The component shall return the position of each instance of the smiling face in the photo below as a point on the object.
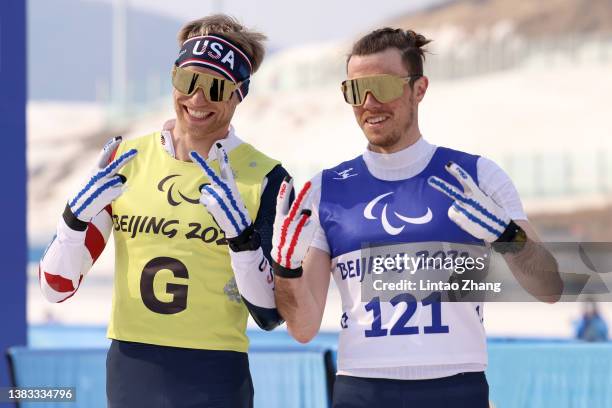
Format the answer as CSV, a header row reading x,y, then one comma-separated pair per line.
x,y
200,118
391,126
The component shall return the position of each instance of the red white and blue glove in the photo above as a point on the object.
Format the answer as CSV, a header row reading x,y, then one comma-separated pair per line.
x,y
223,201
104,186
474,211
69,256
293,231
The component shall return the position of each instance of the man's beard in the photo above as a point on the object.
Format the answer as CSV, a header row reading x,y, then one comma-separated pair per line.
x,y
387,140
394,136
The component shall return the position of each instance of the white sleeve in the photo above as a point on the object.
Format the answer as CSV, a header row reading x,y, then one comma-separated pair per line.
x,y
320,239
496,183
253,272
70,256
254,277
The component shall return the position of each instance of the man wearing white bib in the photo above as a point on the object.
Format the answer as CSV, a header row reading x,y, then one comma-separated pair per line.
x,y
402,189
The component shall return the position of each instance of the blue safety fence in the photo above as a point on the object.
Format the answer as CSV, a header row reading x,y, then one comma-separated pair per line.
x,y
60,336
550,374
81,368
282,377
529,373
292,377
285,373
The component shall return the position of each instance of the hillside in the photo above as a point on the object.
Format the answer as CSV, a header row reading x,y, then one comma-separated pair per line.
x,y
530,18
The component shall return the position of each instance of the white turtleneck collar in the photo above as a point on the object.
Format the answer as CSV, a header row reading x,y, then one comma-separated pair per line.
x,y
400,165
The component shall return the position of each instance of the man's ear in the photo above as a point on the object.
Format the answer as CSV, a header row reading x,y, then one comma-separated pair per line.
x,y
235,98
420,88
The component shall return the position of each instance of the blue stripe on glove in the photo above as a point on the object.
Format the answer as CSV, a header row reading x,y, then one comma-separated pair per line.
x,y
476,220
215,179
468,201
112,182
223,206
106,171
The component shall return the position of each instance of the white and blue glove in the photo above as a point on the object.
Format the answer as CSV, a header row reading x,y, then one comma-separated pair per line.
x,y
251,269
221,197
474,211
104,186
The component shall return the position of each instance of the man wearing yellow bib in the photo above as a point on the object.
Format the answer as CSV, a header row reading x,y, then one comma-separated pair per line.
x,y
191,209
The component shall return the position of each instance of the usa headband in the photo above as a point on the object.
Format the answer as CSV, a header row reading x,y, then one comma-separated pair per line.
x,y
219,54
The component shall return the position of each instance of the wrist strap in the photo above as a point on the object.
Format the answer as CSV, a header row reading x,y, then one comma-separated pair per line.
x,y
512,240
72,221
283,272
248,240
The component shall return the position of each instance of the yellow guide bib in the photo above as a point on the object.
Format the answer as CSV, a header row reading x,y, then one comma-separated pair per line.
x,y
173,284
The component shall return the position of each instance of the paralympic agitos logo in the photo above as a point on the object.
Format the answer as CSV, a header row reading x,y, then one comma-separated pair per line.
x,y
390,229
175,198
134,224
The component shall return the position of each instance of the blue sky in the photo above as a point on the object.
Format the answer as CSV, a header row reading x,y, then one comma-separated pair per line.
x,y
290,23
